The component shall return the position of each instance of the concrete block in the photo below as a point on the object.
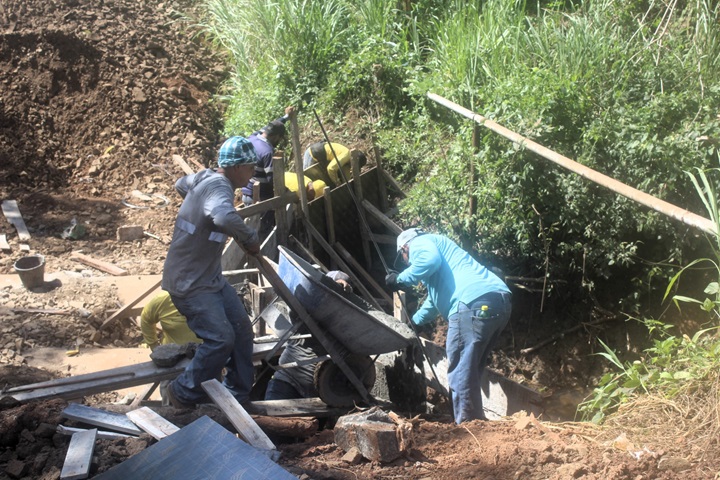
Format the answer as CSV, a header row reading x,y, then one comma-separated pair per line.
x,y
128,233
372,432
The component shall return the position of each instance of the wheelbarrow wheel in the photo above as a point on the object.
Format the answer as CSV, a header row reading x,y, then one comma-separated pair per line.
x,y
335,389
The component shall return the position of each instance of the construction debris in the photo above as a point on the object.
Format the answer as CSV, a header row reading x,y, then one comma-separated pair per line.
x,y
374,434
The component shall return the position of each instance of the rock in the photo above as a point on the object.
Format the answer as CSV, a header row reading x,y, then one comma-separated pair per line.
x,y
353,456
169,354
128,233
675,464
372,432
16,469
44,430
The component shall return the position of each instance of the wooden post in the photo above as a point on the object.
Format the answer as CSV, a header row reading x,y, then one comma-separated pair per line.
x,y
329,220
297,154
381,217
364,226
279,187
256,191
382,187
473,174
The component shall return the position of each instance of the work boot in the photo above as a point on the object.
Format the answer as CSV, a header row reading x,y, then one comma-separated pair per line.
x,y
175,402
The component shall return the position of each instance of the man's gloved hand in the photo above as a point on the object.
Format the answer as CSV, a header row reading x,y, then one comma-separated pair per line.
x,y
391,280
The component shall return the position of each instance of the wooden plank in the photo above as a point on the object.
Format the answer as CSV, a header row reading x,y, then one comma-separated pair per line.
x,y
241,420
297,153
391,180
382,187
279,187
201,450
152,423
269,204
108,380
329,218
122,313
94,416
180,162
4,245
98,382
102,434
106,267
309,254
372,210
297,407
145,395
358,268
341,263
386,239
364,226
79,455
12,213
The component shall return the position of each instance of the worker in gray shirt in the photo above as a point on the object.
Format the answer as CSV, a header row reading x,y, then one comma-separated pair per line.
x,y
193,276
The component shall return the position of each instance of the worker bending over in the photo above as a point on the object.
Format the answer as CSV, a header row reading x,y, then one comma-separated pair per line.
x,y
313,188
324,154
475,302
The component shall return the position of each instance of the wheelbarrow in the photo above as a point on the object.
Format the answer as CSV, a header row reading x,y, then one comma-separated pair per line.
x,y
349,329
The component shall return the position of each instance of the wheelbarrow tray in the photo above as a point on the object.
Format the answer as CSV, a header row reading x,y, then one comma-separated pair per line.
x,y
360,328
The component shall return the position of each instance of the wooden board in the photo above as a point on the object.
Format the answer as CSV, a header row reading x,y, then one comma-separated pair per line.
x,y
180,162
241,420
109,380
101,265
152,423
203,450
122,313
297,407
79,455
63,430
4,245
94,416
97,382
12,213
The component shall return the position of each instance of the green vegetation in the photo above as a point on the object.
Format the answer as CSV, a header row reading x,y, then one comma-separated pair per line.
x,y
626,88
677,369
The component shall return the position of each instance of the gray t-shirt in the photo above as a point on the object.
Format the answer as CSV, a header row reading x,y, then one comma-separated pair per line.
x,y
206,218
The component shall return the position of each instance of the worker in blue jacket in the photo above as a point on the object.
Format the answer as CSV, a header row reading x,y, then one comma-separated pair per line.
x,y
475,302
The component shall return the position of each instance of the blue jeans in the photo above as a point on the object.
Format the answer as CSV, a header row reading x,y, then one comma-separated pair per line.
x,y
472,333
281,390
220,320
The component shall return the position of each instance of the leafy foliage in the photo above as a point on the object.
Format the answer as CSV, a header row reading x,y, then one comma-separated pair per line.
x,y
626,88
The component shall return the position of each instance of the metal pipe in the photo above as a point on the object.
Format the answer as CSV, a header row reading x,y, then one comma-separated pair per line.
x,y
634,194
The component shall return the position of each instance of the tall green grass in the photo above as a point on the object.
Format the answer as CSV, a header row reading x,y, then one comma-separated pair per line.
x,y
624,87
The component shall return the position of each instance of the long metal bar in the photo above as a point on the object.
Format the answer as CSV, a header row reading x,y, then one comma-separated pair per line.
x,y
634,194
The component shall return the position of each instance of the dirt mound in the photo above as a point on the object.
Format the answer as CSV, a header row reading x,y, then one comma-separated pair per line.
x,y
97,98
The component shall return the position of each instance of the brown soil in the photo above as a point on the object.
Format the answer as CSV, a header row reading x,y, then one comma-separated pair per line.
x,y
97,97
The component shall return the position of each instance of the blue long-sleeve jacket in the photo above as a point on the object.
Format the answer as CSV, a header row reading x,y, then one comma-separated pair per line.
x,y
450,275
